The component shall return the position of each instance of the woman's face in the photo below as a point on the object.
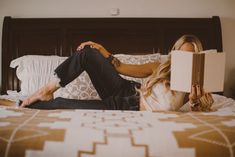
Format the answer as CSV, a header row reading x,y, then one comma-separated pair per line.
x,y
189,47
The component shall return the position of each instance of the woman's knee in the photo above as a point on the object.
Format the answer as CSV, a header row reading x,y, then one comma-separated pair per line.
x,y
88,51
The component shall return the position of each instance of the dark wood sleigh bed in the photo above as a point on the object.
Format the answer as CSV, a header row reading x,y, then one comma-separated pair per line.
x,y
60,36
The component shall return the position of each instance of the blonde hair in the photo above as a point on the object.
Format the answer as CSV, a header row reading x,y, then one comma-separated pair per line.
x,y
162,73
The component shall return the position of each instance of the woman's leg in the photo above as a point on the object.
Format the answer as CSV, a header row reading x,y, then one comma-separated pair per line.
x,y
43,94
62,103
103,75
130,102
111,103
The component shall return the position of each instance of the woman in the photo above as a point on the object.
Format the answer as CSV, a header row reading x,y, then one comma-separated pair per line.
x,y
117,93
156,93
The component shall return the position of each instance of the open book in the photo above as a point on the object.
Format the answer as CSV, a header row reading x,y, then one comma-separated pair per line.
x,y
206,69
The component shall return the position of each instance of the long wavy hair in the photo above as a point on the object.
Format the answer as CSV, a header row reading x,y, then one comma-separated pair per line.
x,y
162,73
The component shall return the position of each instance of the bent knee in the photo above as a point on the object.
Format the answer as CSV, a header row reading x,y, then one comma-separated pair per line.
x,y
88,50
91,52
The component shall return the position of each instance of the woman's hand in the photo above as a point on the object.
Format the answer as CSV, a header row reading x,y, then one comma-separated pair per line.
x,y
97,46
199,100
89,43
196,94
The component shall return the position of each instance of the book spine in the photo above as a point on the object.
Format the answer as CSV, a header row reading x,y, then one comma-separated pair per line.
x,y
198,69
202,65
194,70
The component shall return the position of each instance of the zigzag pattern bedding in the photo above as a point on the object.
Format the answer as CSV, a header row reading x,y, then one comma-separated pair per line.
x,y
85,133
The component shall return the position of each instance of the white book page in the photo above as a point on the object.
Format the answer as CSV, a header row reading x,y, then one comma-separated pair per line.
x,y
214,70
181,71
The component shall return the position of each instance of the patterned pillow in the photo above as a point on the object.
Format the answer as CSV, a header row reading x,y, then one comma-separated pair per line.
x,y
81,88
137,59
31,68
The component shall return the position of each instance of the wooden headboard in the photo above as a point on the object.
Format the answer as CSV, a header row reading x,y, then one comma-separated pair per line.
x,y
60,36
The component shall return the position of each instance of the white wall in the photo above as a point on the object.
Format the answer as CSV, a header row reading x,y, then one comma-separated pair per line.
x,y
135,8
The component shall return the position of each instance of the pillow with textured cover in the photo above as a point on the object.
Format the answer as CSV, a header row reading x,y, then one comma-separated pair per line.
x,y
34,71
137,59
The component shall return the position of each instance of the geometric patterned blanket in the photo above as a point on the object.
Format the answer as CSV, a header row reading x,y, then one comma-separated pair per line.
x,y
87,133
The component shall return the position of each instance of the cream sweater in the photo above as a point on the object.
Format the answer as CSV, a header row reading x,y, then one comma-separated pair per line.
x,y
162,99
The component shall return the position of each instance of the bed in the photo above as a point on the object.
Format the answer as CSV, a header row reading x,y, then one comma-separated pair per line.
x,y
32,132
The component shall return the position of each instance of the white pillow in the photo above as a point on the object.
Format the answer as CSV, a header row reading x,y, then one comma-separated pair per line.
x,y
34,71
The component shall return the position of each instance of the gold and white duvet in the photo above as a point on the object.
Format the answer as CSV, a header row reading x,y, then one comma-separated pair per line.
x,y
87,133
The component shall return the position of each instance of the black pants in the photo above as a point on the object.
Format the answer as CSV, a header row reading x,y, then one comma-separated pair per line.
x,y
116,93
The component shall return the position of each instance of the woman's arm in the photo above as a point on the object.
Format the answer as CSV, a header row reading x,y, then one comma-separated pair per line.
x,y
132,70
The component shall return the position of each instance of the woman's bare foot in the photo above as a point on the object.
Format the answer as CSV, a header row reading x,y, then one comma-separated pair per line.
x,y
43,94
